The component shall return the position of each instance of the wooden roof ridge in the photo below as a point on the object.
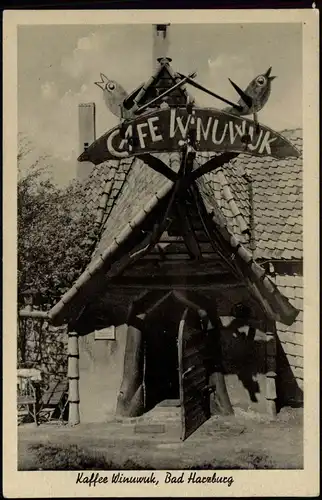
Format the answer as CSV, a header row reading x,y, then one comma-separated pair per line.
x,y
176,79
140,93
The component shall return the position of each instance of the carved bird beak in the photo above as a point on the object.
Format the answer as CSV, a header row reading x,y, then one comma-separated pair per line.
x,y
268,73
103,82
245,97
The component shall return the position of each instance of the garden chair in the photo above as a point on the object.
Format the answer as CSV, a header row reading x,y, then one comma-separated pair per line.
x,y
54,401
26,400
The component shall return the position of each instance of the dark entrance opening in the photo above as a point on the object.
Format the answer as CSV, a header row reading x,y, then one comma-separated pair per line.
x,y
161,375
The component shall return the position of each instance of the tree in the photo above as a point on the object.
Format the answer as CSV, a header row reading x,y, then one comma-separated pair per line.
x,y
55,233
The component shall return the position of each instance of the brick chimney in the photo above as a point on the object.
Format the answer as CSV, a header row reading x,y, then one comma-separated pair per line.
x,y
86,135
160,42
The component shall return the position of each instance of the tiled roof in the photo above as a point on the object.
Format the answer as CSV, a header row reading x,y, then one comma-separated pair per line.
x,y
103,186
238,189
277,190
140,186
277,197
277,200
142,190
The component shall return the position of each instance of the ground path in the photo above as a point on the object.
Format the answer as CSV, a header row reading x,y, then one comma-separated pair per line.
x,y
243,441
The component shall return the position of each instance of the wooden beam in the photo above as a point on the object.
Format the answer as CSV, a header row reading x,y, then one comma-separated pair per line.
x,y
181,246
179,256
179,278
158,303
159,166
141,249
148,301
33,314
166,238
148,243
271,369
207,282
187,230
73,378
212,164
159,228
212,235
152,239
182,297
173,268
210,287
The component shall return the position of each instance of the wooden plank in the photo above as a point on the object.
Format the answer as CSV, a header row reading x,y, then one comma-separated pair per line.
x,y
171,269
177,247
211,287
157,259
23,313
171,281
271,370
195,407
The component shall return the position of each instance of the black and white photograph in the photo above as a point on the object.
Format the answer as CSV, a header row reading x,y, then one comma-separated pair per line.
x,y
161,308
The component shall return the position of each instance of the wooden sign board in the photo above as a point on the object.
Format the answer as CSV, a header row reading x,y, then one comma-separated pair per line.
x,y
105,333
165,130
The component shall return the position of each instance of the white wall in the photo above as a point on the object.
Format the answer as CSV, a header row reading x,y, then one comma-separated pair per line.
x,y
101,370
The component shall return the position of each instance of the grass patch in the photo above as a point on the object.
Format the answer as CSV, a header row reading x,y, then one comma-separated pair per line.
x,y
72,457
243,461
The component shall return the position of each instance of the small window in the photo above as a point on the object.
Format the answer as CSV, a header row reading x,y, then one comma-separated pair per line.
x,y
105,333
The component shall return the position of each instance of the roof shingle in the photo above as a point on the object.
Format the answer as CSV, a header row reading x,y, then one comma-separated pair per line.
x,y
277,198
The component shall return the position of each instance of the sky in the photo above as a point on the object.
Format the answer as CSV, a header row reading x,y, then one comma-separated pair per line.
x,y
58,65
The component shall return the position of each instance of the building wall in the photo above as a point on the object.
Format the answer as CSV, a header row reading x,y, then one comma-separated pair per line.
x,y
245,367
101,364
290,359
101,370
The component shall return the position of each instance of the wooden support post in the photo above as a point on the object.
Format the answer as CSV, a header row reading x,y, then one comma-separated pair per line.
x,y
271,371
130,401
73,377
217,377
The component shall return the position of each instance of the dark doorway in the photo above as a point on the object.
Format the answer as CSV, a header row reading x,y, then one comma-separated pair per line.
x,y
161,376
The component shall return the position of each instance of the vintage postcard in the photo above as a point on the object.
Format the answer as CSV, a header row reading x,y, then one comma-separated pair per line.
x,y
161,253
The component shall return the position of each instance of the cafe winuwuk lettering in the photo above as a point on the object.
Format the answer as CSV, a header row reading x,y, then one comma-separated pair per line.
x,y
214,130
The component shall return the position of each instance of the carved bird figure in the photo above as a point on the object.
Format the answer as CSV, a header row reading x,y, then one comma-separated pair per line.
x,y
113,95
256,95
